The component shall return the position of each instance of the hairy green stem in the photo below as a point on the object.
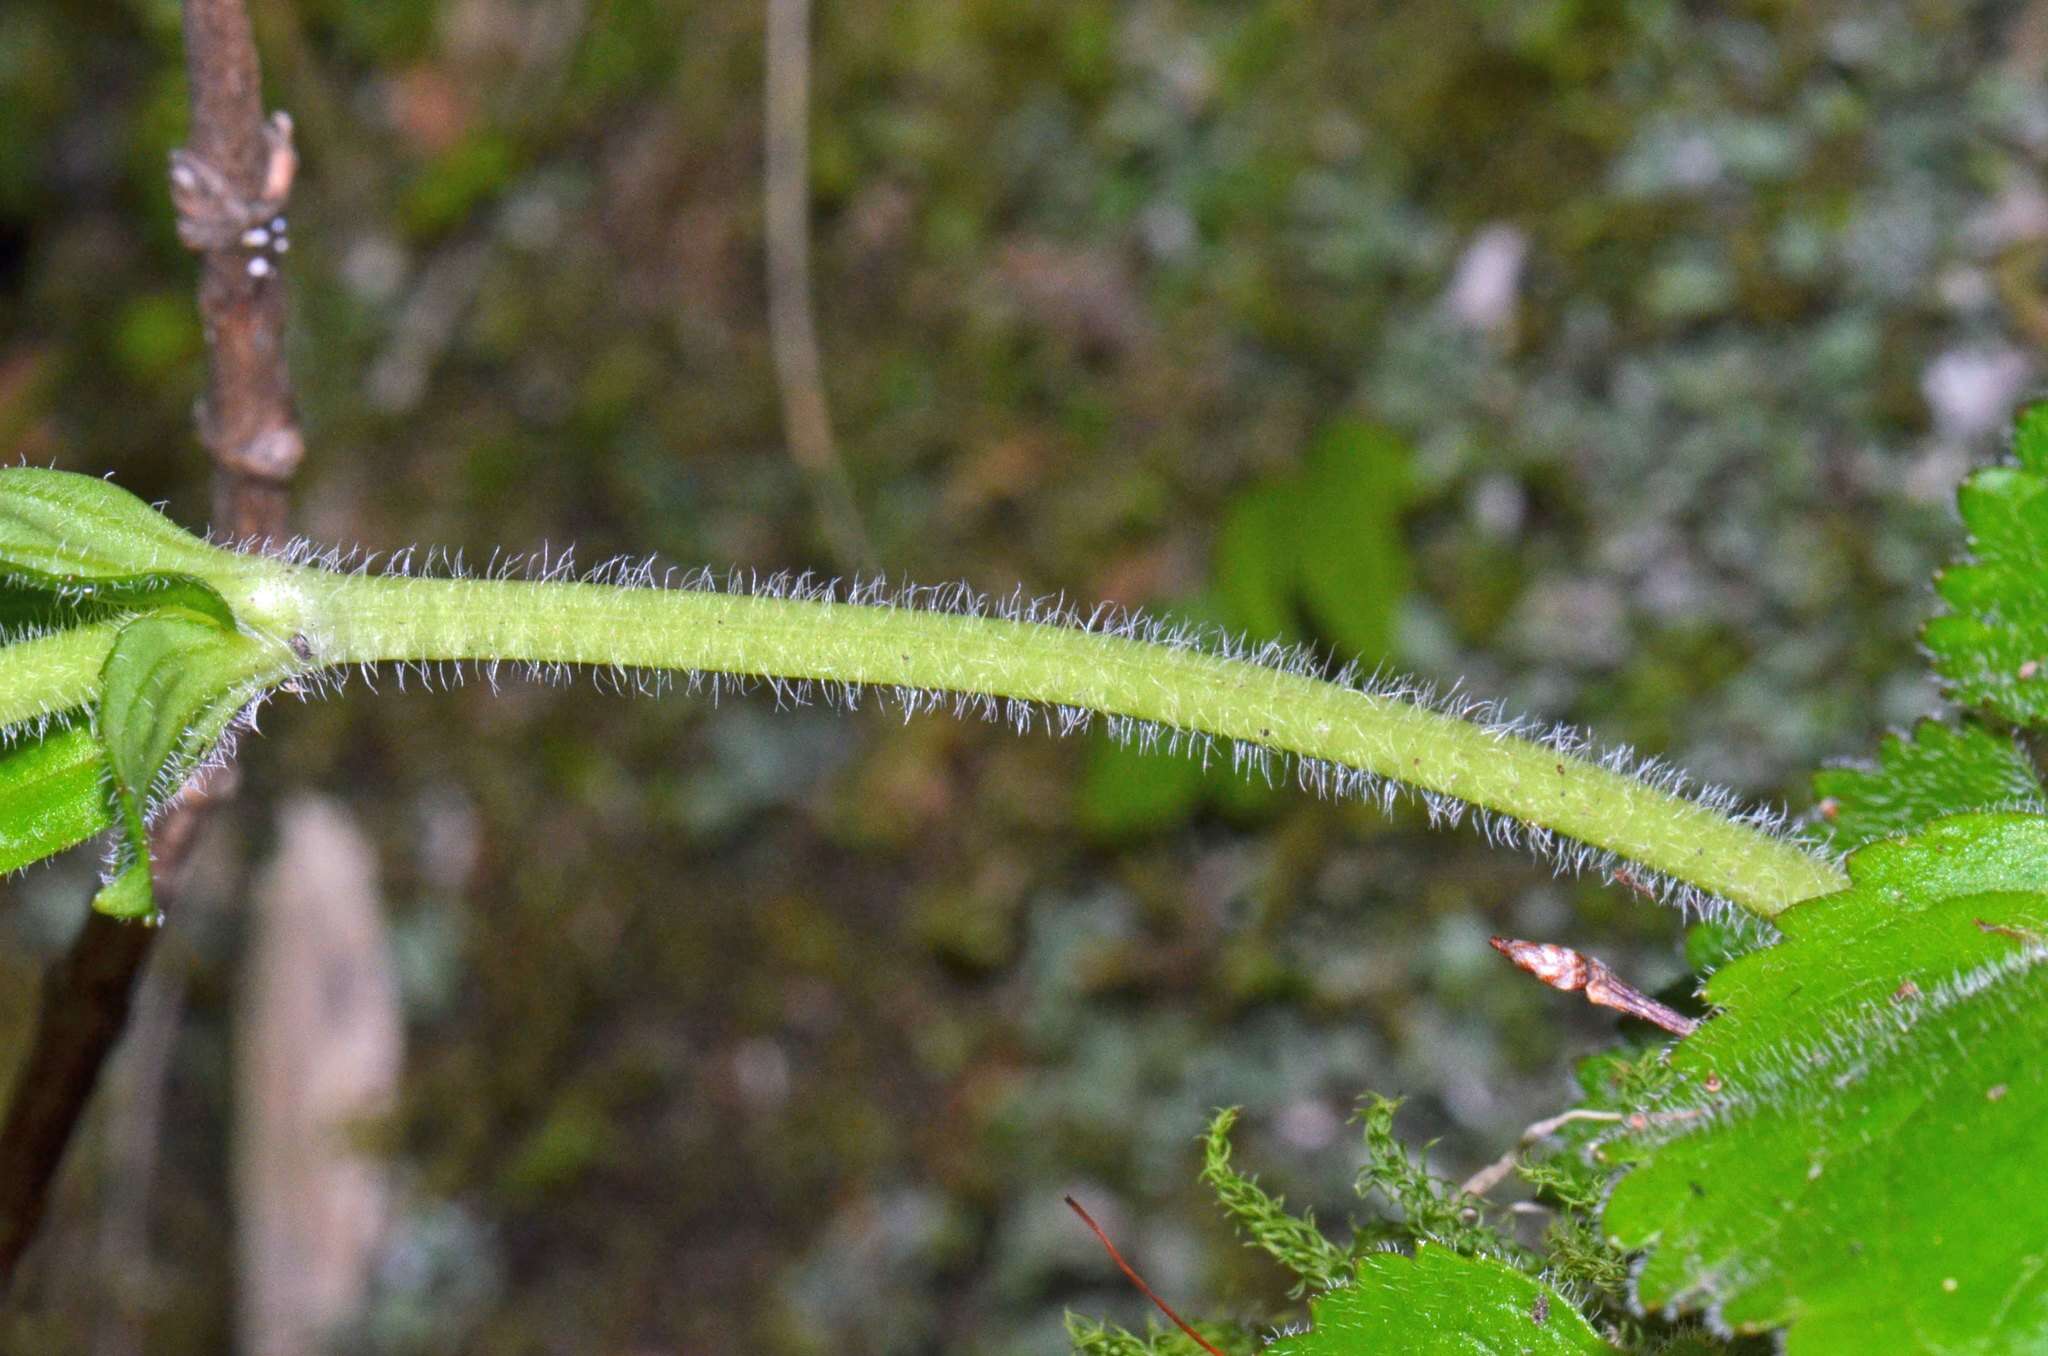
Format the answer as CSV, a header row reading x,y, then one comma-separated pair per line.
x,y
52,674
357,619
338,619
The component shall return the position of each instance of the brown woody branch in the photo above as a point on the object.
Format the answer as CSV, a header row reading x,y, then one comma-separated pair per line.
x,y
229,187
82,1012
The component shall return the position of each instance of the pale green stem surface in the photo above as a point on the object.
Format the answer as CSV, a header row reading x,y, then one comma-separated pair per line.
x,y
358,619
53,673
354,619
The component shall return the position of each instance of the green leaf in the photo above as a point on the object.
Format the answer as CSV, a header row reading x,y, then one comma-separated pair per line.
x,y
171,684
52,795
74,527
1354,562
35,604
1439,1302
1992,647
1852,1146
73,548
1714,941
129,894
1935,770
1328,538
1255,559
26,610
1125,793
48,676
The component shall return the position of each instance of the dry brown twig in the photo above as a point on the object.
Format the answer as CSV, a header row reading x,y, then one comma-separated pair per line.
x,y
229,187
792,328
1494,1173
1563,968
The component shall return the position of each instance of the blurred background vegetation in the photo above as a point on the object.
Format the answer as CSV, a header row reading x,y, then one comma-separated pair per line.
x,y
1615,356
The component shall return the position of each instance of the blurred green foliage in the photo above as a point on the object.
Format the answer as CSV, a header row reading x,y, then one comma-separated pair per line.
x,y
1616,358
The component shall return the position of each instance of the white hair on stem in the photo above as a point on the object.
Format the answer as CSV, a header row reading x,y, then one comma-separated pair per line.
x,y
1246,757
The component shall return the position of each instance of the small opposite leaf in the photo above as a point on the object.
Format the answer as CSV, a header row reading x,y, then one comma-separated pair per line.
x,y
171,684
129,894
74,529
1440,1302
1935,771
52,795
1852,1146
1992,647
33,603
74,550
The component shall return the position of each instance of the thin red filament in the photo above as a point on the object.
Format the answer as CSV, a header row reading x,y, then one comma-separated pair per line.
x,y
1139,1281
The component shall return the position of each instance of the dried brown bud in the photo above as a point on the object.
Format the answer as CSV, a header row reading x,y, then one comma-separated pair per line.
x,y
1563,968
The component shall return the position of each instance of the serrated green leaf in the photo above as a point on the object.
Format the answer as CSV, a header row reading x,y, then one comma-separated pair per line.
x,y
171,684
2030,439
1935,770
1853,1147
53,795
1992,646
1440,1302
